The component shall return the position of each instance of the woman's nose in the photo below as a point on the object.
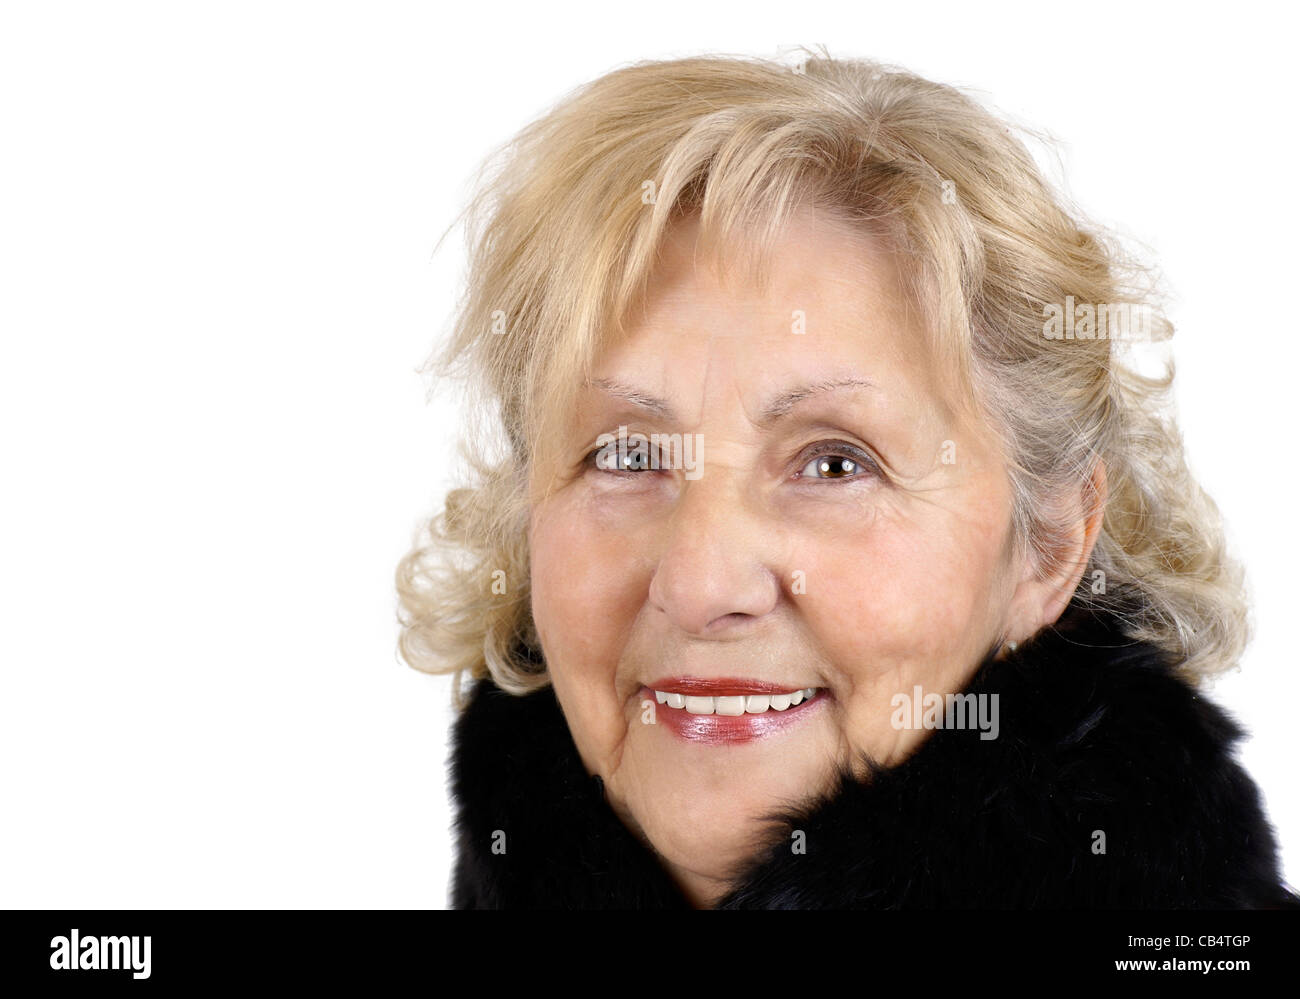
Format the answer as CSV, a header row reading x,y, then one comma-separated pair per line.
x,y
712,572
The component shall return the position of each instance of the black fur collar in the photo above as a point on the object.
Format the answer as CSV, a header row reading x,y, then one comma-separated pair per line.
x,y
1096,733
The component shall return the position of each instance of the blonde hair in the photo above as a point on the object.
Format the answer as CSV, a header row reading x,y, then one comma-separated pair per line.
x,y
563,237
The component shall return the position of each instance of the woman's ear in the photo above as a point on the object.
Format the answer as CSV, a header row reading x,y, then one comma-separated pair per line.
x,y
1037,602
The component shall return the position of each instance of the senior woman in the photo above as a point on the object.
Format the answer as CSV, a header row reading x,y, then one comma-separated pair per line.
x,y
832,555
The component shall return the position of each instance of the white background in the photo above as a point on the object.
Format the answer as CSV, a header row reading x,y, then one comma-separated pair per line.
x,y
217,279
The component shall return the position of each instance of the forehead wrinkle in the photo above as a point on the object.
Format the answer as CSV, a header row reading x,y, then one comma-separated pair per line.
x,y
778,407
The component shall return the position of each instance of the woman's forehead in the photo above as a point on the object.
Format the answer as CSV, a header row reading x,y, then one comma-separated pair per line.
x,y
768,353
806,253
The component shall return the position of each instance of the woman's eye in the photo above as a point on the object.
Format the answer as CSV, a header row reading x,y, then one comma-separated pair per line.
x,y
839,462
836,462
609,458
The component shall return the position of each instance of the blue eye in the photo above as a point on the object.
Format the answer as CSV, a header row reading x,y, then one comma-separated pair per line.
x,y
839,461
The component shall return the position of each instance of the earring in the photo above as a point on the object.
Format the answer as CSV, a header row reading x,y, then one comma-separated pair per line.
x,y
1011,646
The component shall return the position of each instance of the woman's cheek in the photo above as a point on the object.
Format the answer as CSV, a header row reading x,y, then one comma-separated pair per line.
x,y
574,563
888,596
583,613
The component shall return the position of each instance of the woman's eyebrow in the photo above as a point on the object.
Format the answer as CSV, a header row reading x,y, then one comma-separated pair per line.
x,y
777,407
654,404
781,404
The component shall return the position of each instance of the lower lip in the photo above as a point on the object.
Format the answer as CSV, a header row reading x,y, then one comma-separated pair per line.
x,y
730,729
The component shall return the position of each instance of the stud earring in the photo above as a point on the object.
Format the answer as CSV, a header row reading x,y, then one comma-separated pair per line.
x,y
1011,646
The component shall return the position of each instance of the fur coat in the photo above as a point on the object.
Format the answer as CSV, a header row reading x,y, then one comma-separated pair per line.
x,y
1097,733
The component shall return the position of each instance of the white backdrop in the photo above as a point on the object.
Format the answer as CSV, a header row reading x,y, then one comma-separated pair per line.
x,y
217,281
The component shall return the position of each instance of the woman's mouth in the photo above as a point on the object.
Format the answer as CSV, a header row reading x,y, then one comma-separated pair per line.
x,y
728,711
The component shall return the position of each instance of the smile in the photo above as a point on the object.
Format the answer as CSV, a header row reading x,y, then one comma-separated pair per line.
x,y
715,712
739,704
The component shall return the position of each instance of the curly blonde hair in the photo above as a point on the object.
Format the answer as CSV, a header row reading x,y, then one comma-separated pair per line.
x,y
563,236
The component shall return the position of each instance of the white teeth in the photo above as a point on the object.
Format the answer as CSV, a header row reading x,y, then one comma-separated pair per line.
x,y
753,704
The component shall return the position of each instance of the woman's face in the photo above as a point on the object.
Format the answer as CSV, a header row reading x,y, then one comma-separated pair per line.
x,y
842,532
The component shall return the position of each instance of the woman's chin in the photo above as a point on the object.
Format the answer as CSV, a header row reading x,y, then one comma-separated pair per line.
x,y
707,841
707,806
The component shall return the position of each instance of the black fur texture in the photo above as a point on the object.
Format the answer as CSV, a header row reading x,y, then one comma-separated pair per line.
x,y
1096,733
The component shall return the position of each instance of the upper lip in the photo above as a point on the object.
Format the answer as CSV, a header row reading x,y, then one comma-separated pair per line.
x,y
700,686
